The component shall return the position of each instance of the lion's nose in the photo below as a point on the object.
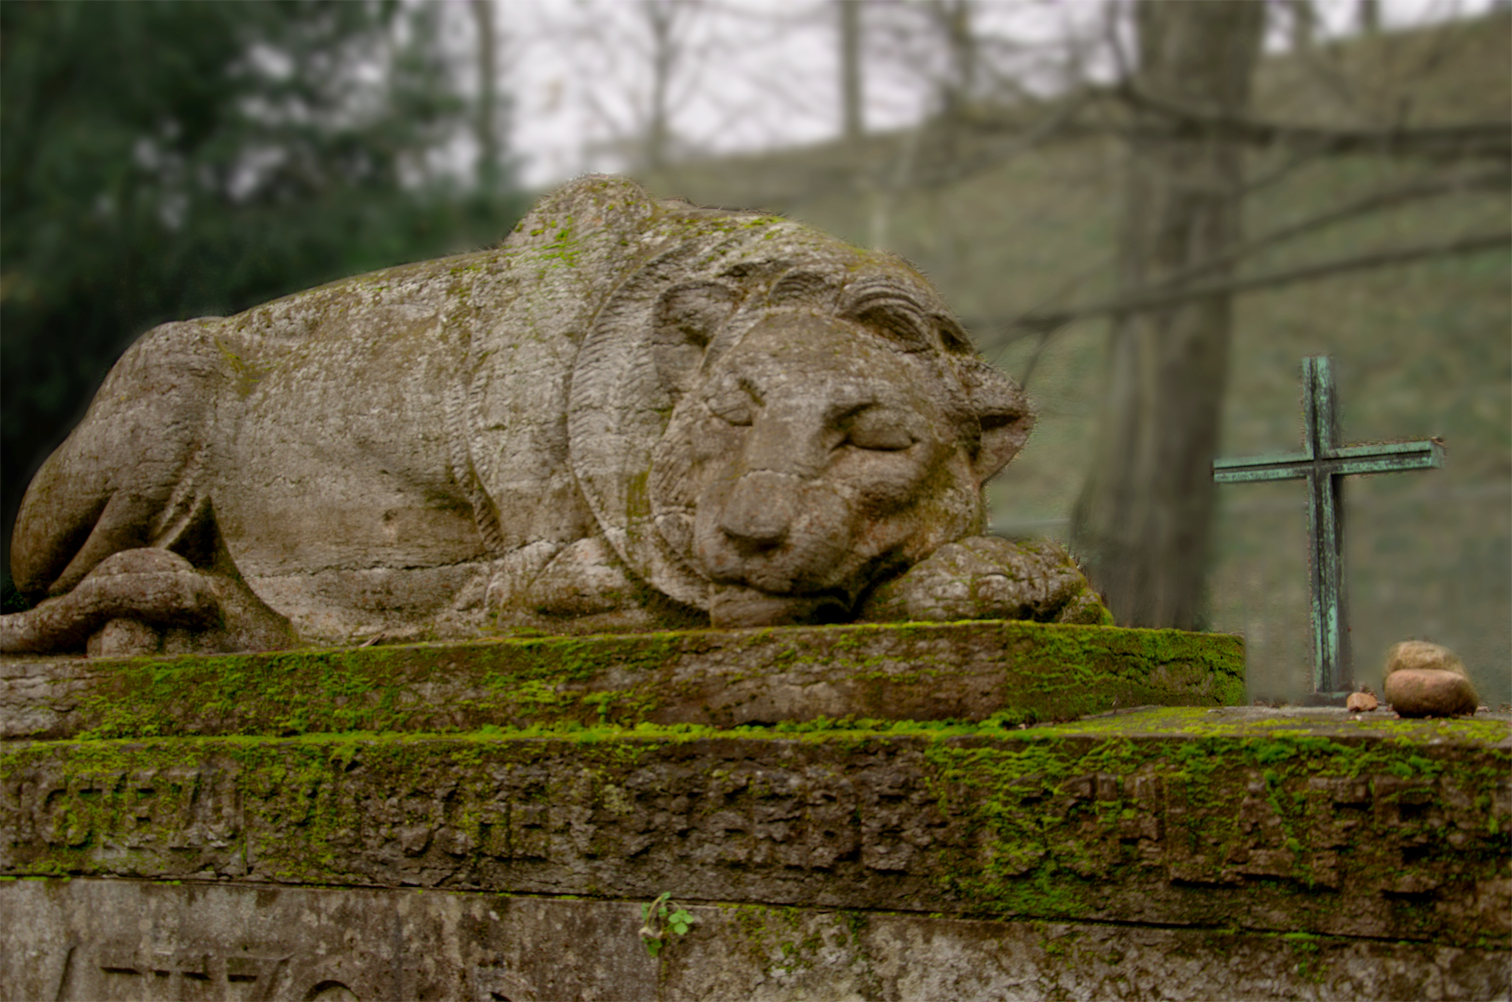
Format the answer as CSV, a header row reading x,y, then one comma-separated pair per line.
x,y
760,510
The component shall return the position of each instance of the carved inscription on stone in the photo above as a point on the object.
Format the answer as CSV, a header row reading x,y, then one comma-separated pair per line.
x,y
789,821
184,813
103,941
118,969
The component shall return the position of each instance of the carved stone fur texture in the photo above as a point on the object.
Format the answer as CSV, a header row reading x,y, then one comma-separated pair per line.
x,y
631,414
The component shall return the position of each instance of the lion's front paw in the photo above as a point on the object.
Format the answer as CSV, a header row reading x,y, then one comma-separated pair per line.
x,y
985,577
148,601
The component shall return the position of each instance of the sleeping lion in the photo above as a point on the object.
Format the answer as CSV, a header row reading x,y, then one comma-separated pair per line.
x,y
631,414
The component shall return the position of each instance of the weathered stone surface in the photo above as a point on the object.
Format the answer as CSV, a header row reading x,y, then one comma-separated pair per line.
x,y
1328,823
332,845
1426,680
1361,702
962,671
95,940
630,414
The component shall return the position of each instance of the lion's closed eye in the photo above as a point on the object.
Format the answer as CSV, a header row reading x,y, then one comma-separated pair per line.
x,y
879,430
733,407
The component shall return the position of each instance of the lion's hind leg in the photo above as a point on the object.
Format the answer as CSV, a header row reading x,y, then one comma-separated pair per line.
x,y
124,478
116,540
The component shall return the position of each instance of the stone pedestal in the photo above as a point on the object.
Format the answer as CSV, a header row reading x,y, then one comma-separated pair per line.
x,y
116,939
485,821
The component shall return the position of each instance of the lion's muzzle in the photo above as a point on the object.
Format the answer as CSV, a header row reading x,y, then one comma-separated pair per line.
x,y
734,606
758,515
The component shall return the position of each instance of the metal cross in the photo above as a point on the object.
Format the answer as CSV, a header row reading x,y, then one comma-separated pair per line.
x,y
1323,464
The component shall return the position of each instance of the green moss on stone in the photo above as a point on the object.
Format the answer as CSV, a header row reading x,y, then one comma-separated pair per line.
x,y
1052,672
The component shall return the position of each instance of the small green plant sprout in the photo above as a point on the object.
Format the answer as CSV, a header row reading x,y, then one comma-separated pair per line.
x,y
663,917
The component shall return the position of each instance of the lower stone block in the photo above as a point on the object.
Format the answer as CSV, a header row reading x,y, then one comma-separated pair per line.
x,y
111,939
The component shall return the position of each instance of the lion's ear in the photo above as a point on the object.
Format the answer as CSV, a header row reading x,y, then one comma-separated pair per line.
x,y
687,318
1003,412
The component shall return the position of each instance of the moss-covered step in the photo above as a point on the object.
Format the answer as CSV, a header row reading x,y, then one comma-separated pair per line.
x,y
100,939
1311,822
921,671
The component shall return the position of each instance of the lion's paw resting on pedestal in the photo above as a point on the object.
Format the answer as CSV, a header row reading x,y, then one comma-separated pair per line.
x,y
984,577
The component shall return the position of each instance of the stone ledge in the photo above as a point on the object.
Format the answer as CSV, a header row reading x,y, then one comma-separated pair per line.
x,y
90,939
1317,822
919,671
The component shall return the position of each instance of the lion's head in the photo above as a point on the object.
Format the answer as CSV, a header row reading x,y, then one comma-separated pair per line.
x,y
766,421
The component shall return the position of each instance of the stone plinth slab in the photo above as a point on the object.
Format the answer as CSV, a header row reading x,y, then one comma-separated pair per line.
x,y
961,671
1319,823
97,940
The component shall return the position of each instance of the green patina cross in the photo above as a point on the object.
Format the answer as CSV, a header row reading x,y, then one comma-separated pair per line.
x,y
1323,464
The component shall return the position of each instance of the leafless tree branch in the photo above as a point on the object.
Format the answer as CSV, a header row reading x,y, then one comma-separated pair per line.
x,y
1471,139
1422,188
1164,297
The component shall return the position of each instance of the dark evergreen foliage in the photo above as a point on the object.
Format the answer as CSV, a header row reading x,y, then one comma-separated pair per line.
x,y
166,160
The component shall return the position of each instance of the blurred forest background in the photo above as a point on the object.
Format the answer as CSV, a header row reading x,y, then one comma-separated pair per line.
x,y
1147,212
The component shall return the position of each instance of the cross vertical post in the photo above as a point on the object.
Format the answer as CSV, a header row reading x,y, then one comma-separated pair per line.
x,y
1324,463
1333,670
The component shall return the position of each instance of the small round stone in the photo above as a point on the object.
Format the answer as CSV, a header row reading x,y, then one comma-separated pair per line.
x,y
1422,654
1426,680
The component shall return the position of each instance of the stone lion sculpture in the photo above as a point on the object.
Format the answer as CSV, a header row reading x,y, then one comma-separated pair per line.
x,y
631,414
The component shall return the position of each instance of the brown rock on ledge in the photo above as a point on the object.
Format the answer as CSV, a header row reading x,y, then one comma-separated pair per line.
x,y
1426,680
1361,702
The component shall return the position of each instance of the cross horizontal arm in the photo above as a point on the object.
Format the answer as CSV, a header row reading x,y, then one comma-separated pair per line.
x,y
1286,467
1384,458
1387,457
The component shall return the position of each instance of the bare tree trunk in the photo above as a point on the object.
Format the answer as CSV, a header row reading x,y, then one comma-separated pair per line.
x,y
850,68
1370,16
959,87
1304,24
659,19
1143,519
488,90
